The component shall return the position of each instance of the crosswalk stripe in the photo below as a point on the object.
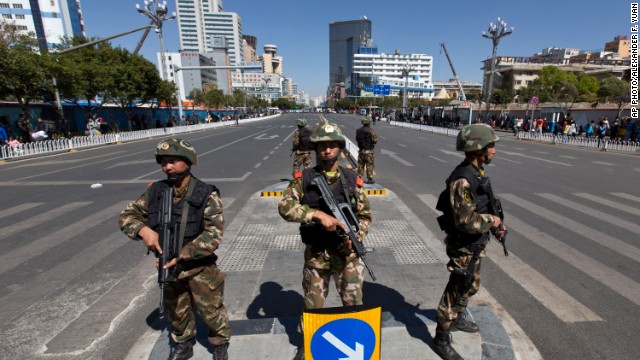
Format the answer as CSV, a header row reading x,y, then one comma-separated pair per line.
x,y
551,296
565,307
590,233
616,281
16,257
592,212
15,303
627,196
41,218
18,208
613,204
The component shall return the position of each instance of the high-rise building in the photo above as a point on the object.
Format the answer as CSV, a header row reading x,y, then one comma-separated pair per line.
x,y
345,38
249,47
49,20
189,79
200,20
271,63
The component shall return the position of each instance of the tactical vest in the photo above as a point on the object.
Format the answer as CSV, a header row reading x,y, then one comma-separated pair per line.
x,y
314,234
304,139
364,139
467,171
197,203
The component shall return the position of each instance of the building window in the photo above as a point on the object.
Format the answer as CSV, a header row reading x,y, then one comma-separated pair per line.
x,y
21,27
18,16
17,6
6,16
4,5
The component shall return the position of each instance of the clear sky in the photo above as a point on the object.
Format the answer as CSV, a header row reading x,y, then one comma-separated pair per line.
x,y
300,29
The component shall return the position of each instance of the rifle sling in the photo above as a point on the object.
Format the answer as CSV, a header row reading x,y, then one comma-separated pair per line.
x,y
185,214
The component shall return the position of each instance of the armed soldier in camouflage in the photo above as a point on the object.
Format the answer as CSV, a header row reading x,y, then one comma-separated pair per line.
x,y
199,280
465,204
327,254
367,139
302,146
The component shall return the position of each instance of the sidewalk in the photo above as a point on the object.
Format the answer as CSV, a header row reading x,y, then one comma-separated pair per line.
x,y
263,260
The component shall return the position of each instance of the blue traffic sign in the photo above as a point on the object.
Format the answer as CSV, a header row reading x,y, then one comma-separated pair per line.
x,y
346,338
382,89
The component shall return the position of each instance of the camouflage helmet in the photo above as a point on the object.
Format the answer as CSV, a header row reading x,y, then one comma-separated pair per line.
x,y
365,121
475,137
326,131
176,147
301,122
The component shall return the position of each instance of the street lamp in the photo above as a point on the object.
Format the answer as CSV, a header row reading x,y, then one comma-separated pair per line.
x,y
406,69
496,32
157,13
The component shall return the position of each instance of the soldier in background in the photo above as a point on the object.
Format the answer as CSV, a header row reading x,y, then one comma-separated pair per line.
x,y
199,281
466,206
301,146
367,139
327,254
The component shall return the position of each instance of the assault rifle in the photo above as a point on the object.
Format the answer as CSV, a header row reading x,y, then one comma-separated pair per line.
x,y
496,209
344,214
168,238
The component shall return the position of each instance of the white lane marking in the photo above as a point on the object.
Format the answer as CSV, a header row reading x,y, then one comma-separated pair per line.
x,y
395,156
41,218
592,212
111,182
454,153
132,162
509,160
266,137
609,277
435,158
627,196
533,157
265,158
568,157
582,229
614,204
402,145
17,209
603,163
30,250
92,162
257,165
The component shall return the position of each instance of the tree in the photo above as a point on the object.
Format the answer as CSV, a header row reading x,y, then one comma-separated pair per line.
x,y
587,87
165,93
566,96
25,72
615,90
214,98
134,81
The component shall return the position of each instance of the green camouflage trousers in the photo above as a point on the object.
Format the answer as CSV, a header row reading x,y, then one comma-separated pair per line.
x,y
366,159
449,305
302,158
347,272
206,290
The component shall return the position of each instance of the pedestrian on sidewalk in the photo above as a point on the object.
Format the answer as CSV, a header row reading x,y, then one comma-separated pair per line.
x,y
468,224
199,281
367,139
327,254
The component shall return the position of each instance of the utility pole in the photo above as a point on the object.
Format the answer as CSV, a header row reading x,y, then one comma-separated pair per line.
x,y
495,32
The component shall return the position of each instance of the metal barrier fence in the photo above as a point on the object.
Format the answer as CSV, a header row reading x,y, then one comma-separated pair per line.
x,y
78,142
622,146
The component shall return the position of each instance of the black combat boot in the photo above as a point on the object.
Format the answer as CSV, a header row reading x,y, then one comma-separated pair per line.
x,y
220,352
442,345
182,351
464,324
299,354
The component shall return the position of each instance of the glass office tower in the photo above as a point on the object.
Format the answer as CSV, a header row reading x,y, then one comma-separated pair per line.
x,y
345,38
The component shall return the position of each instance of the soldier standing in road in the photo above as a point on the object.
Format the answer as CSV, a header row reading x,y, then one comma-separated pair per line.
x,y
466,208
302,146
326,253
367,139
199,281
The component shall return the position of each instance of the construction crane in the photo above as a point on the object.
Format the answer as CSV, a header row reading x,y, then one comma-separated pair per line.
x,y
455,76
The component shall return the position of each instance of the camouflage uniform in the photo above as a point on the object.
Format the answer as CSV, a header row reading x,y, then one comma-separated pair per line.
x,y
200,282
302,149
464,213
320,264
366,139
467,234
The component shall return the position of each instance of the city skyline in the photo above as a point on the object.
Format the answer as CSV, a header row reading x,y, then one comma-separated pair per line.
x,y
302,32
